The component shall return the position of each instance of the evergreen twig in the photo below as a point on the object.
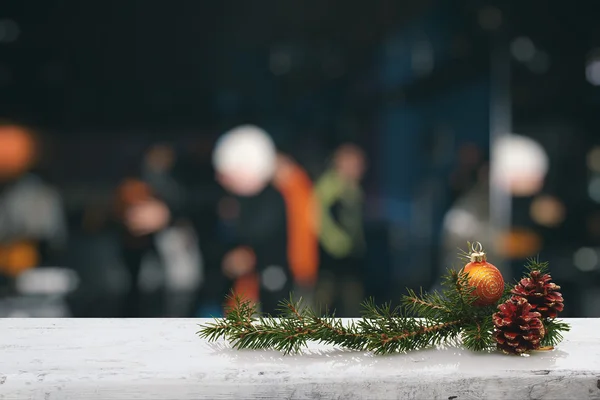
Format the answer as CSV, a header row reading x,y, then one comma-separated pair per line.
x,y
426,305
421,320
554,331
534,264
477,334
465,255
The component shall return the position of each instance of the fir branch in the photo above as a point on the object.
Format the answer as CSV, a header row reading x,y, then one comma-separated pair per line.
x,y
390,330
294,309
287,334
534,264
459,292
418,335
507,293
477,334
326,329
465,255
426,305
441,317
238,319
380,319
269,333
330,330
554,331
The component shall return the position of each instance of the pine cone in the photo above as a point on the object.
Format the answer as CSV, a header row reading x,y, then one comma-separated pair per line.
x,y
541,293
518,328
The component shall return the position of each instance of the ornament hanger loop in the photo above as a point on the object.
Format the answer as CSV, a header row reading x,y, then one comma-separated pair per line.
x,y
476,247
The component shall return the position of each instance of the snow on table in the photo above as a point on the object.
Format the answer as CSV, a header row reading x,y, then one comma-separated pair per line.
x,y
151,359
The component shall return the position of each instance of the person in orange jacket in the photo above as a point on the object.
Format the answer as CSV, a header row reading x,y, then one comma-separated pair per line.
x,y
302,208
295,185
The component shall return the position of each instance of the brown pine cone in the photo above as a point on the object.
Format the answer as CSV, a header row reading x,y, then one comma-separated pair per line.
x,y
541,293
518,329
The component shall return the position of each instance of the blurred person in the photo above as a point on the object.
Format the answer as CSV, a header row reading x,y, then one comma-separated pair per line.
x,y
177,244
255,261
32,222
140,214
341,234
469,220
157,171
520,167
148,203
295,185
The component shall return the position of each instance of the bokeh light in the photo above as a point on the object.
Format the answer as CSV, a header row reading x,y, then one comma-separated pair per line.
x,y
593,159
245,159
9,30
17,150
522,49
490,18
586,259
519,243
594,188
519,164
592,67
547,211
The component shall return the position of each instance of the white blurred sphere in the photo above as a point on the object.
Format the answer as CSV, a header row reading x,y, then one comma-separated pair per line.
x,y
519,165
246,158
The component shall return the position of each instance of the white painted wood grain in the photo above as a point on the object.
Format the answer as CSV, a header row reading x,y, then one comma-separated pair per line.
x,y
150,359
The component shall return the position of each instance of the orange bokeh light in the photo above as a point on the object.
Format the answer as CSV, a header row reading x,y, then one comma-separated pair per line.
x,y
17,151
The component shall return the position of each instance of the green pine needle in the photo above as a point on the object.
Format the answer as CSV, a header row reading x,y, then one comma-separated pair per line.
x,y
554,331
477,334
507,292
427,305
534,264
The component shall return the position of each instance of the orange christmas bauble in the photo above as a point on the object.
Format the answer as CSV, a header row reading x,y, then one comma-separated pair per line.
x,y
487,280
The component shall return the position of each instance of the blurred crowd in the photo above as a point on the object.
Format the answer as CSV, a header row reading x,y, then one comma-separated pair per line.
x,y
278,231
267,226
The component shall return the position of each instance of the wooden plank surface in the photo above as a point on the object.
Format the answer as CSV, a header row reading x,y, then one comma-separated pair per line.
x,y
151,359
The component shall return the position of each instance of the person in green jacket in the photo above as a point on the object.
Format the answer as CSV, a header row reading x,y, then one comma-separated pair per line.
x,y
341,234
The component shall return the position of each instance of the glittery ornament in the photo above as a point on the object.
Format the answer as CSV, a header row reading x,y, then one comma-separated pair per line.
x,y
486,278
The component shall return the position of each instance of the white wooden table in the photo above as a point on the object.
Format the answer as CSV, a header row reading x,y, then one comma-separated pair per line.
x,y
150,359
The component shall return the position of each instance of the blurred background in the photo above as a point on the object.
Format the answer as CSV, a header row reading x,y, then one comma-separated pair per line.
x,y
155,155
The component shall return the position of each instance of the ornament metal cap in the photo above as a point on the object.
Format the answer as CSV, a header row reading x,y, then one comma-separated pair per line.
x,y
477,254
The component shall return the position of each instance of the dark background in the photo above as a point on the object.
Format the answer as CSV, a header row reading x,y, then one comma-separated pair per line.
x,y
101,80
